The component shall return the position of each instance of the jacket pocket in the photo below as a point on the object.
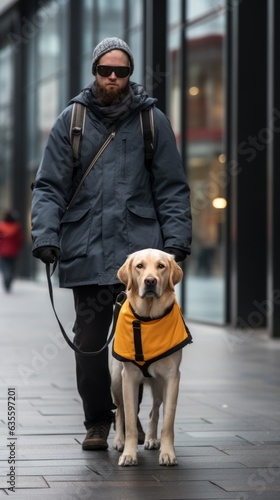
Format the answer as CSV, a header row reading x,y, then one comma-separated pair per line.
x,y
143,228
74,233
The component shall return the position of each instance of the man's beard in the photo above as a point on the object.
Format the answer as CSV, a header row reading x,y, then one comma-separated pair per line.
x,y
111,97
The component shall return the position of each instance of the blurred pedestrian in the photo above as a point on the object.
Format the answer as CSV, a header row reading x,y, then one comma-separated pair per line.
x,y
11,241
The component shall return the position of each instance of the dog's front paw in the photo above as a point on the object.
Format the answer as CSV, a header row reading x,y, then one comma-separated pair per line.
x,y
167,459
152,444
126,460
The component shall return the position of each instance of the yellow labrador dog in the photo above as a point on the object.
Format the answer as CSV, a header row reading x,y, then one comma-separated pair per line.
x,y
150,334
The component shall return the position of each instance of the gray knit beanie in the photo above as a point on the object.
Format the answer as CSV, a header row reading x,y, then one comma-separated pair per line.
x,y
107,45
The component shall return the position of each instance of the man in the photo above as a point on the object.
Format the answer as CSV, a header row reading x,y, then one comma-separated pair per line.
x,y
121,207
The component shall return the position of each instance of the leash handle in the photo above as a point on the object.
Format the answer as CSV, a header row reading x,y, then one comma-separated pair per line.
x,y
119,302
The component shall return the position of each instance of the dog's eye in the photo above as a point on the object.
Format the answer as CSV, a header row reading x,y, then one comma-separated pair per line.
x,y
161,266
139,266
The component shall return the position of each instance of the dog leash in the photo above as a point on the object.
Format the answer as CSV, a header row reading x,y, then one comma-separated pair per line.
x,y
119,302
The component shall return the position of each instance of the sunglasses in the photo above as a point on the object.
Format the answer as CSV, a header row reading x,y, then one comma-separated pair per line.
x,y
120,71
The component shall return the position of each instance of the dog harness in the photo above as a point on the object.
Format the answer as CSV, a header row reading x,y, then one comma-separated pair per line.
x,y
144,340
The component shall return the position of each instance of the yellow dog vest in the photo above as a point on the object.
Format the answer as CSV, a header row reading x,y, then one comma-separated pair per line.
x,y
144,340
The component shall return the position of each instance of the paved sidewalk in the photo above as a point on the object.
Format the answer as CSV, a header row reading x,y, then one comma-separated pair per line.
x,y
227,426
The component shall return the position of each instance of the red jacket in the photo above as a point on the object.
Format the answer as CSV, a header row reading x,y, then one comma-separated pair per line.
x,y
11,239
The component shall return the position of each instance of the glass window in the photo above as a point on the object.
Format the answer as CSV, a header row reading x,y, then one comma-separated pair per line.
x,y
111,18
198,8
48,97
48,66
101,19
6,124
135,37
47,79
174,66
104,18
206,160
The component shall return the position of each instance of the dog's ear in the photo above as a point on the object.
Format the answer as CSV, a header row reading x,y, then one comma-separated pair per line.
x,y
124,273
176,273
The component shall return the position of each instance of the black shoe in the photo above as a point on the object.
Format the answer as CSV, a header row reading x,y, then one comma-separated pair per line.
x,y
141,433
96,437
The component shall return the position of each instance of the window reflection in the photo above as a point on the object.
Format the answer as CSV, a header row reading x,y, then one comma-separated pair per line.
x,y
111,18
6,123
48,93
101,19
134,33
203,146
105,19
206,161
52,39
200,8
174,67
46,73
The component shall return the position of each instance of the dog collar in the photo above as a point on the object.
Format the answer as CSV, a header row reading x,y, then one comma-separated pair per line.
x,y
145,340
148,318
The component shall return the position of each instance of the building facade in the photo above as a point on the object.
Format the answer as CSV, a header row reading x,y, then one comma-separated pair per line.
x,y
214,74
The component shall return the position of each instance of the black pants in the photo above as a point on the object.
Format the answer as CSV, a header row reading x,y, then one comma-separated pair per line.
x,y
94,309
8,269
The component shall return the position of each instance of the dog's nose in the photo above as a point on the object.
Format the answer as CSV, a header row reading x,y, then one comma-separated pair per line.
x,y
150,281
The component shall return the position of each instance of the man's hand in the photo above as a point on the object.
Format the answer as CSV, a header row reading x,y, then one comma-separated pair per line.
x,y
179,254
48,255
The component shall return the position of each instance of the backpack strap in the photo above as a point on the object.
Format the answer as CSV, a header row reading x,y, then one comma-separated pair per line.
x,y
148,131
78,124
77,127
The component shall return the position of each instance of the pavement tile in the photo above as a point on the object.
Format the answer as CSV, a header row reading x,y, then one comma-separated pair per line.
x,y
178,474
261,436
24,469
217,442
148,459
258,458
231,424
25,482
43,494
197,451
251,447
50,429
75,409
111,490
78,492
89,477
255,483
208,463
213,475
70,462
42,440
52,402
62,420
60,452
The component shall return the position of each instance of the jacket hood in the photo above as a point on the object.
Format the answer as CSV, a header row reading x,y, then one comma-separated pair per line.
x,y
141,99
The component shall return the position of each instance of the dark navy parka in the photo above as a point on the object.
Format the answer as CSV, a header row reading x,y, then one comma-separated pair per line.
x,y
122,207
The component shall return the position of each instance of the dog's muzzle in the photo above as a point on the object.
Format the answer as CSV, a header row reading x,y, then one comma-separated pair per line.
x,y
150,287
